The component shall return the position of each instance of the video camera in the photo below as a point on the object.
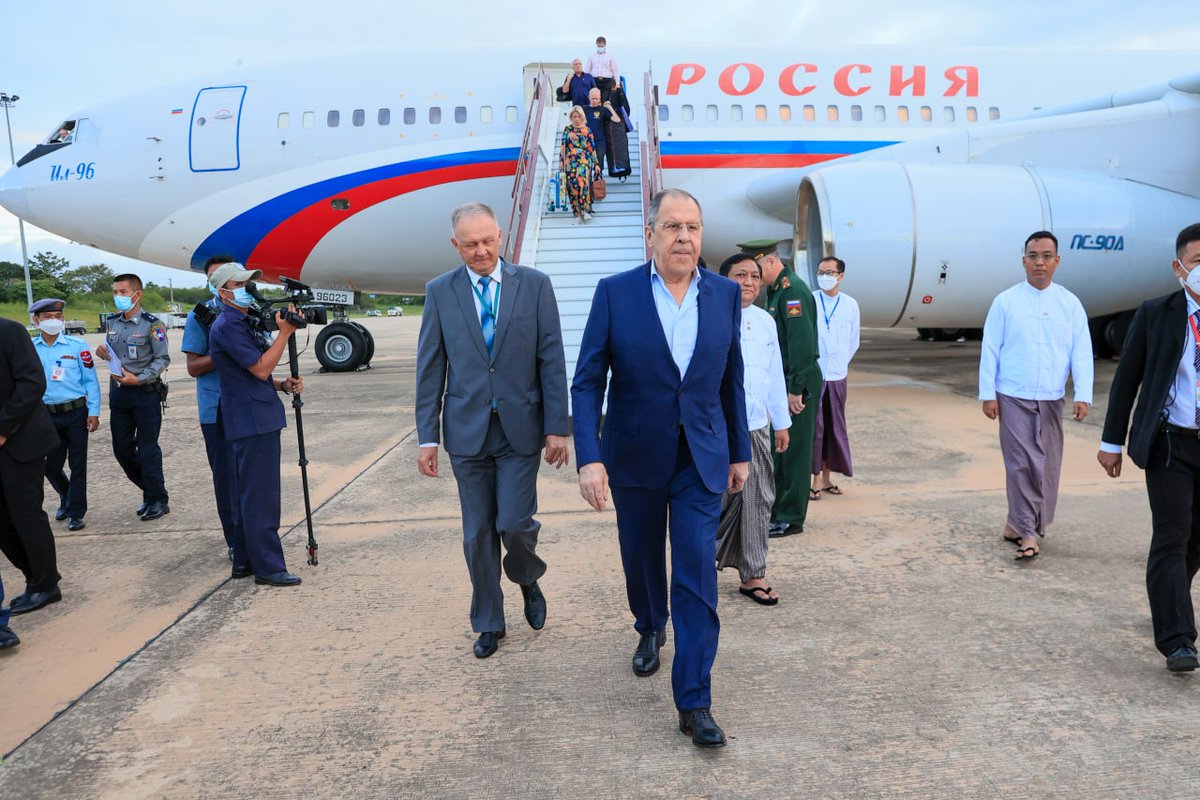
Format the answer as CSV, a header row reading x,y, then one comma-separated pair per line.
x,y
295,293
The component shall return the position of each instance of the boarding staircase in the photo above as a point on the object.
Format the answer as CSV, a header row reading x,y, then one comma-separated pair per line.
x,y
576,255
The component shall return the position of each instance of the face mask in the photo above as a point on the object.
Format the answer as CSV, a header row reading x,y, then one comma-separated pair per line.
x,y
242,298
1192,281
51,327
827,282
122,302
214,292
600,50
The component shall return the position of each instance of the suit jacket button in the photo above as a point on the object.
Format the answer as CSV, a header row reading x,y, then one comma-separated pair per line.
x,y
492,369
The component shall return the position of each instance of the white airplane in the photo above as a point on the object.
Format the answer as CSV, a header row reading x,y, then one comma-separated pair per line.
x,y
924,170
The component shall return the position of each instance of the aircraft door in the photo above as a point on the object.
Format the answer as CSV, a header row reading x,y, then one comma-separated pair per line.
x,y
216,126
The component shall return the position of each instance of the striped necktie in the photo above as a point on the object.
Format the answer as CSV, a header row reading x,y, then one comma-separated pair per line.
x,y
487,313
1194,324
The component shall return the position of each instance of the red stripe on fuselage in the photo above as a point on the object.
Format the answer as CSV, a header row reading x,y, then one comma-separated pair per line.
x,y
741,161
283,251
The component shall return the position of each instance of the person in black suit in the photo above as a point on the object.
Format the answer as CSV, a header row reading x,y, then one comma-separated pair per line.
x,y
27,436
1161,358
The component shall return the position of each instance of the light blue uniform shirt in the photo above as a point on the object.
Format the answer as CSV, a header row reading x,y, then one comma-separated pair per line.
x,y
70,371
679,320
208,385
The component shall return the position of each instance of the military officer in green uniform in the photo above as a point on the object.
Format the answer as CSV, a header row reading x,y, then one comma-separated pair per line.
x,y
139,341
790,302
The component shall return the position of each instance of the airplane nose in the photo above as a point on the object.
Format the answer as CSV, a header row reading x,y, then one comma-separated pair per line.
x,y
12,193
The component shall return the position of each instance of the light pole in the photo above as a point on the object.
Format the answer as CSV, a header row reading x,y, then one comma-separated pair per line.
x,y
8,100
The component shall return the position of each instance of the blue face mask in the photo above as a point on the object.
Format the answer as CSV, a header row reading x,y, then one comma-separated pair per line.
x,y
215,293
122,302
242,298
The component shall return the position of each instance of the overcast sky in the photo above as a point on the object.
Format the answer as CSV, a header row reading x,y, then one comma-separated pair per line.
x,y
65,54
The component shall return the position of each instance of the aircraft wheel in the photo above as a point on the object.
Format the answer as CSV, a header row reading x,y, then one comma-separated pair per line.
x,y
1115,330
370,342
341,347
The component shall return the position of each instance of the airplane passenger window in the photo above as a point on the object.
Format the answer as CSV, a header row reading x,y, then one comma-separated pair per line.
x,y
856,113
333,118
435,115
410,116
948,113
760,113
810,113
309,119
685,113
664,114
880,114
460,114
926,114
485,114
384,116
710,113
284,120
735,112
785,113
993,113
511,114
358,117
972,114
902,113
831,113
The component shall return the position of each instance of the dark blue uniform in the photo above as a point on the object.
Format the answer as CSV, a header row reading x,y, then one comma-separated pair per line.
x,y
136,411
251,417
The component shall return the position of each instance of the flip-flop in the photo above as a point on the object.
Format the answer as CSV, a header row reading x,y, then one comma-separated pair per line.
x,y
1026,553
813,494
832,489
1012,539
764,600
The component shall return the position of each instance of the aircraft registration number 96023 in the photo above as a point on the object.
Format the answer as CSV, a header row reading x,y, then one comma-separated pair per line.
x,y
341,297
81,172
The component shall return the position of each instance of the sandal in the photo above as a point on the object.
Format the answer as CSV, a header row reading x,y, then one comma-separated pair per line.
x,y
813,494
1026,553
764,600
832,489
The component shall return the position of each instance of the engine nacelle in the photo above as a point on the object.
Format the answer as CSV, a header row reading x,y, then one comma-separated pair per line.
x,y
930,245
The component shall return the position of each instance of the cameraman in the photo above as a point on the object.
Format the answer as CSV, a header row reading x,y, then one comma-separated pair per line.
x,y
251,417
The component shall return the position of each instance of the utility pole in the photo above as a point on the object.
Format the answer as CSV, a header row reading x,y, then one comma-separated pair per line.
x,y
8,101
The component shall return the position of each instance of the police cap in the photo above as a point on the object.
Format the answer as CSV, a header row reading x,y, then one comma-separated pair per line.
x,y
760,247
47,304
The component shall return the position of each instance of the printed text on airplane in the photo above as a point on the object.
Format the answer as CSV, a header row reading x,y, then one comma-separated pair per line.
x,y
850,80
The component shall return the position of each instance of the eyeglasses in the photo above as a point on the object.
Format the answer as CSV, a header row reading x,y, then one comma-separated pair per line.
x,y
676,228
1040,258
828,272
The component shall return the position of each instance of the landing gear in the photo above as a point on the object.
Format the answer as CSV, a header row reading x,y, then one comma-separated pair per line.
x,y
948,334
344,346
1108,333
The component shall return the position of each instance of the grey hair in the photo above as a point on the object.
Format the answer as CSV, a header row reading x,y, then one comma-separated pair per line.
x,y
678,194
472,209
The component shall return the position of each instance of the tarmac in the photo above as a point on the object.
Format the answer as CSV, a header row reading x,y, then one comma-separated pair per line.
x,y
909,656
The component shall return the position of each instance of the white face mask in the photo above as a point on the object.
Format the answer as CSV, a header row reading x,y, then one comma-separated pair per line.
x,y
827,282
51,327
1192,281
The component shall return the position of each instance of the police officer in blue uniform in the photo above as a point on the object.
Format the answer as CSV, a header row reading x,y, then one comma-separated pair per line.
x,y
135,397
208,395
251,417
73,399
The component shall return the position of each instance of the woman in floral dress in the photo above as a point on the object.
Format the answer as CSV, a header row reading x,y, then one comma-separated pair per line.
x,y
579,164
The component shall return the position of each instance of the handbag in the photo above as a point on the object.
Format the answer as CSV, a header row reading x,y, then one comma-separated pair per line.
x,y
562,95
599,190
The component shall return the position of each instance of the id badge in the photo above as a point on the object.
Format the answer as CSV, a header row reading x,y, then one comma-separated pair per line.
x,y
57,373
133,351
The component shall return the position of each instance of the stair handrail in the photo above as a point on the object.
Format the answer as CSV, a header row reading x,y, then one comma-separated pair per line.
x,y
651,168
524,180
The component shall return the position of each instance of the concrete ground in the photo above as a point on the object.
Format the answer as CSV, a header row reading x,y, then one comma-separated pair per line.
x,y
909,655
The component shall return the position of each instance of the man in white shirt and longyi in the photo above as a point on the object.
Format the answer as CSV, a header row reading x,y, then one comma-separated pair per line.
x,y
1035,334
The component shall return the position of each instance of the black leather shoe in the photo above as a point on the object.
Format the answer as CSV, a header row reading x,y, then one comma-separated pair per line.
x,y
155,510
487,643
8,638
142,508
700,725
277,579
645,658
241,572
76,524
60,513
1183,659
535,606
32,601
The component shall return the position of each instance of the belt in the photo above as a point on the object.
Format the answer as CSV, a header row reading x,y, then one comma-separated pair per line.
x,y
1191,433
152,386
70,405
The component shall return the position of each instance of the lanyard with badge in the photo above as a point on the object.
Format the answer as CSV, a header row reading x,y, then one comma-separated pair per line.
x,y
488,305
58,372
1196,337
829,315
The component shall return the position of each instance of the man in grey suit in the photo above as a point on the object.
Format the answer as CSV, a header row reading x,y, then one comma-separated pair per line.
x,y
491,369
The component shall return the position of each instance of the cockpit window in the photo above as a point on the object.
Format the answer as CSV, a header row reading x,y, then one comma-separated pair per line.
x,y
62,136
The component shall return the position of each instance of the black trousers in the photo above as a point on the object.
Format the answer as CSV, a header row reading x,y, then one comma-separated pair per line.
x,y
605,85
25,537
1173,486
71,450
135,419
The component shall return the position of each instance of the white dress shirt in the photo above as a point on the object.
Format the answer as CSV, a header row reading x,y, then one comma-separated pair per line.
x,y
762,376
680,320
601,65
1181,404
838,321
1032,338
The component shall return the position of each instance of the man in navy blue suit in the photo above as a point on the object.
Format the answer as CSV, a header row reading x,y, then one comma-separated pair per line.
x,y
674,441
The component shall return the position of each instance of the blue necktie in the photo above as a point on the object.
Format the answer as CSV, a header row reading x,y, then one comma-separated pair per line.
x,y
487,314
